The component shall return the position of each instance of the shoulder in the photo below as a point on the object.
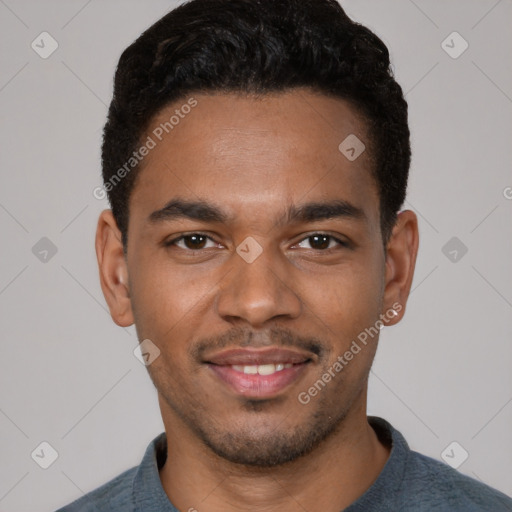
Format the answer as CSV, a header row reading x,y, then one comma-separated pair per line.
x,y
411,481
139,484
429,484
111,496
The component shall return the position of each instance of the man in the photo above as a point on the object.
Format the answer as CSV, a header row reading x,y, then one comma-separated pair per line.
x,y
256,157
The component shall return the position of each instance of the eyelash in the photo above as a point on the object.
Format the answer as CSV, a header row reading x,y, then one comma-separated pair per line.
x,y
174,241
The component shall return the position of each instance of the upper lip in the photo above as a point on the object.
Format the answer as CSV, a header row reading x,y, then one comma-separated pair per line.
x,y
241,356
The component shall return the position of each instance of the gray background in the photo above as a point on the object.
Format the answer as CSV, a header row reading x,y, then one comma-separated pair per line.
x,y
68,375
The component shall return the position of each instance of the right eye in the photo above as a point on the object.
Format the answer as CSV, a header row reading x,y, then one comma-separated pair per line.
x,y
192,242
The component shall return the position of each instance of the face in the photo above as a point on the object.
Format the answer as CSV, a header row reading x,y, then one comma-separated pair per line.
x,y
254,262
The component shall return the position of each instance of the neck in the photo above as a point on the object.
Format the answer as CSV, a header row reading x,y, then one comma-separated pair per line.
x,y
330,478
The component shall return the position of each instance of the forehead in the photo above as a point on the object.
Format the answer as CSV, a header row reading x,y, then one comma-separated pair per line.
x,y
259,153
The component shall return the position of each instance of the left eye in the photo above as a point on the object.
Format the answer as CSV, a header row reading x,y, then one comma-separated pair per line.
x,y
321,242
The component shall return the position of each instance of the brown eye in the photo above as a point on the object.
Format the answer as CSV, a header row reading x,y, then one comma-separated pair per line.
x,y
193,242
321,242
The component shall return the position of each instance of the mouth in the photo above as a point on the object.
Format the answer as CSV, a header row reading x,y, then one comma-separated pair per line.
x,y
259,373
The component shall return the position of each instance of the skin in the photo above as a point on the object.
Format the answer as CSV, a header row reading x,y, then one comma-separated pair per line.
x,y
254,157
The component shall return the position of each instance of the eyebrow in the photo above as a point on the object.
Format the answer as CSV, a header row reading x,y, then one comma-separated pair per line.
x,y
208,212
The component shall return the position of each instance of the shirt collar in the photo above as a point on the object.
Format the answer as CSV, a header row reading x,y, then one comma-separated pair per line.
x,y
386,488
148,494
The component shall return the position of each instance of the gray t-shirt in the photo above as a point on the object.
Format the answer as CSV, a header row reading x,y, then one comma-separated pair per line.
x,y
409,482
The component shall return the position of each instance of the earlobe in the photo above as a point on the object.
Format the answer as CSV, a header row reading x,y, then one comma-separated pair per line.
x,y
401,253
113,269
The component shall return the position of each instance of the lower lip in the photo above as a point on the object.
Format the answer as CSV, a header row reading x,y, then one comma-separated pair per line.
x,y
258,386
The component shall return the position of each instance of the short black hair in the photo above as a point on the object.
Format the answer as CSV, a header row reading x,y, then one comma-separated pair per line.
x,y
257,46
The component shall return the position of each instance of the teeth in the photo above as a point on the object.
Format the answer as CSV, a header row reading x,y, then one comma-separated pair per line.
x,y
266,369
261,369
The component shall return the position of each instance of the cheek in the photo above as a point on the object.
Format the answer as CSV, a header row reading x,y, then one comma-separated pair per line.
x,y
165,300
348,298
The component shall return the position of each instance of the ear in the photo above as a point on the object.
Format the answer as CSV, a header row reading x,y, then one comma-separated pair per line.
x,y
113,269
401,253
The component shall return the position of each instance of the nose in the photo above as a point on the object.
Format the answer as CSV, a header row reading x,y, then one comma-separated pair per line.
x,y
259,291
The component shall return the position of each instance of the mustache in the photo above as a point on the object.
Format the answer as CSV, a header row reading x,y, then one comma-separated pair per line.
x,y
246,337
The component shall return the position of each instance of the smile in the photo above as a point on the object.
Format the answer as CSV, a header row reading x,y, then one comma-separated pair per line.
x,y
261,369
259,373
